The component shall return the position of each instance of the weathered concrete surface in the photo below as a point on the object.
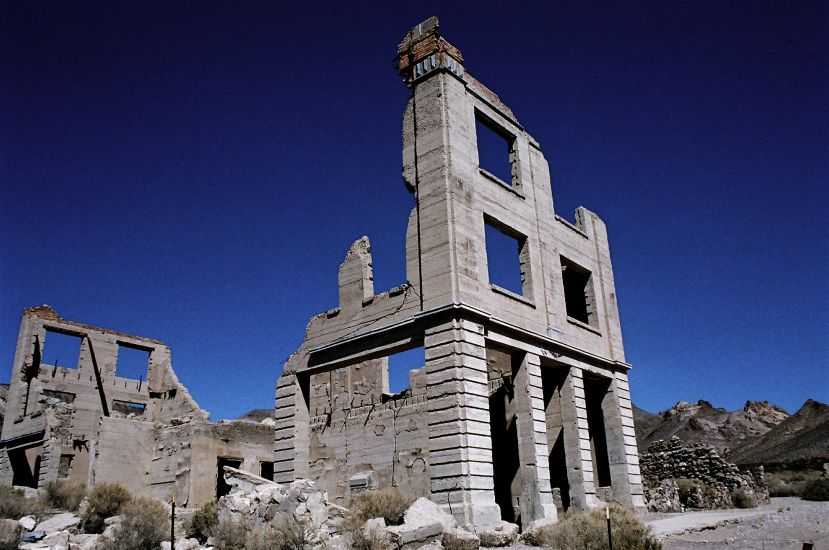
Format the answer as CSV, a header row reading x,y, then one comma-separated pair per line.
x,y
522,404
85,422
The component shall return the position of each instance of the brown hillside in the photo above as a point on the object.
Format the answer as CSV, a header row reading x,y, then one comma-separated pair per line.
x,y
804,436
701,422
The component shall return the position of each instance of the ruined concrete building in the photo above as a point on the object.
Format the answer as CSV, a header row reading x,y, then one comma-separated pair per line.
x,y
521,405
84,420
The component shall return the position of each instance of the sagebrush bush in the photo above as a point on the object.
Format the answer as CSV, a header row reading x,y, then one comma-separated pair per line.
x,y
817,489
145,524
742,499
230,534
15,505
780,488
64,494
588,531
204,521
389,505
105,500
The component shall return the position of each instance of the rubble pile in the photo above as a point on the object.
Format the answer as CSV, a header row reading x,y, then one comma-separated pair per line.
x,y
678,475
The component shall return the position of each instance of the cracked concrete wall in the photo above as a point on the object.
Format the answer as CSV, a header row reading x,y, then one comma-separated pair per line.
x,y
70,421
450,306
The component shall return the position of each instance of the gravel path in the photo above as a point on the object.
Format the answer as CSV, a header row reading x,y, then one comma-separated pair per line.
x,y
785,524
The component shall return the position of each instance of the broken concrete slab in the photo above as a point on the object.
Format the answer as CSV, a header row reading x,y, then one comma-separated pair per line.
x,y
58,522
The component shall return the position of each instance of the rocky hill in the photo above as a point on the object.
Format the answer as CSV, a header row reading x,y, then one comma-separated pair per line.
x,y
801,438
701,422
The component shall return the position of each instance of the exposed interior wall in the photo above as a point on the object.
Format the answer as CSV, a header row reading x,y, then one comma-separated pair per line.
x,y
358,429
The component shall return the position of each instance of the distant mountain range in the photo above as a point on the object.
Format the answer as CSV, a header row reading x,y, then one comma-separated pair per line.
x,y
760,433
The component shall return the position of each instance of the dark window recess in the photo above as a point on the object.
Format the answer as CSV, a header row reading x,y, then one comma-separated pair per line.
x,y
65,466
266,470
66,397
169,394
222,488
578,292
25,465
507,257
128,407
400,365
61,349
133,362
495,149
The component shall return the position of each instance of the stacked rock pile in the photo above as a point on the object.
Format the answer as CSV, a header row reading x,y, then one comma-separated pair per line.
x,y
701,478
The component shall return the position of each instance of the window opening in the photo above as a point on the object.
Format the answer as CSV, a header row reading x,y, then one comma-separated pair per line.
x,y
495,148
133,362
128,407
266,470
400,366
579,297
507,256
61,349
63,396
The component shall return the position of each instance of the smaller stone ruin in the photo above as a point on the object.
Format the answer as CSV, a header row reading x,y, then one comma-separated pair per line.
x,y
678,476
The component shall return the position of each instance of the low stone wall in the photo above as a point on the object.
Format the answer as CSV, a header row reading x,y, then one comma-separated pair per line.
x,y
679,475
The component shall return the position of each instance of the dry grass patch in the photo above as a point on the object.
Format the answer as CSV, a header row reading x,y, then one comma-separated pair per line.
x,y
588,531
389,505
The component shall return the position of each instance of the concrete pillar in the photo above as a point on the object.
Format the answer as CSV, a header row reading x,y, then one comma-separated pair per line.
x,y
622,452
292,431
460,445
577,442
536,497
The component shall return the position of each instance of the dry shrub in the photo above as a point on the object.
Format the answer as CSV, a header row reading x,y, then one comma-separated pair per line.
x,y
781,488
817,490
204,521
64,494
15,505
105,500
235,534
389,505
9,534
742,499
145,524
588,531
230,534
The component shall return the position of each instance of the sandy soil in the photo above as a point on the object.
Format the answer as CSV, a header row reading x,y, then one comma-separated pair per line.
x,y
785,524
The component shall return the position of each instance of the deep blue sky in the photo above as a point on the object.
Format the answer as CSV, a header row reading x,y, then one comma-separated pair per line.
x,y
195,172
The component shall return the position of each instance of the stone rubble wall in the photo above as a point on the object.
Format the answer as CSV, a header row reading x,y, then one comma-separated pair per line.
x,y
671,468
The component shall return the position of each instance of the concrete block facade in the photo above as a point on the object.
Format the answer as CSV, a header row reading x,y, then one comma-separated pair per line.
x,y
524,389
81,420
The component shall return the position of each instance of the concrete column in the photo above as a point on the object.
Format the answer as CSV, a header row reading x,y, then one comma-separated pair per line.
x,y
577,442
460,443
292,431
621,443
536,497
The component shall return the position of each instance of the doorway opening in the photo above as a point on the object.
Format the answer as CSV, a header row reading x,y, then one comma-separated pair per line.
x,y
502,367
222,488
552,383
